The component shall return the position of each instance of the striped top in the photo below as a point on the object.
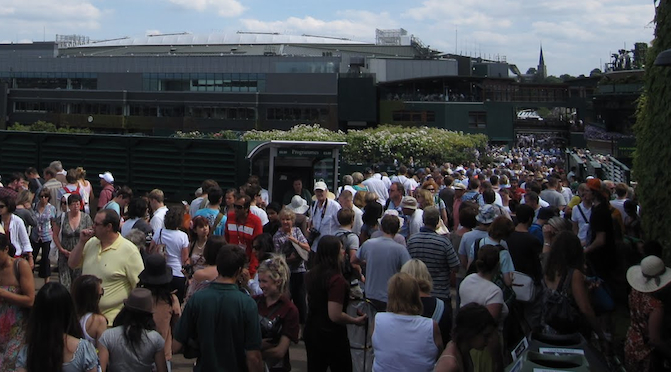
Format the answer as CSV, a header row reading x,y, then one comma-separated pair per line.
x,y
437,253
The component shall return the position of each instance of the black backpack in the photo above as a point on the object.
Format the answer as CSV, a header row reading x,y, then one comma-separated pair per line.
x,y
559,310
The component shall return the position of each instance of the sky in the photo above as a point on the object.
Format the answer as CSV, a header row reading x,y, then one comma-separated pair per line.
x,y
577,35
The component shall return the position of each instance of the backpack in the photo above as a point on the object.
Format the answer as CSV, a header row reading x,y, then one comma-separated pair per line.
x,y
347,270
509,295
559,311
67,191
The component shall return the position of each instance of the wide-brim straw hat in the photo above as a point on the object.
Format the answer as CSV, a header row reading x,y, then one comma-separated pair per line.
x,y
650,276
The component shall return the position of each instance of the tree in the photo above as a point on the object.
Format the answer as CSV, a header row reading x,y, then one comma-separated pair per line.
x,y
565,77
595,72
532,71
653,123
552,80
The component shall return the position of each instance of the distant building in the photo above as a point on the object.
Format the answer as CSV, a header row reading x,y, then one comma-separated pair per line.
x,y
158,84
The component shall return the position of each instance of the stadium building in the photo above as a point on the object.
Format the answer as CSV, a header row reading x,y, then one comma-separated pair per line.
x,y
158,84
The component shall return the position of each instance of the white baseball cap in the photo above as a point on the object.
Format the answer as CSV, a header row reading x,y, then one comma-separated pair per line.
x,y
107,176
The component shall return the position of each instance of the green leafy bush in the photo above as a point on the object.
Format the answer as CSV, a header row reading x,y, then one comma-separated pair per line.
x,y
223,134
43,126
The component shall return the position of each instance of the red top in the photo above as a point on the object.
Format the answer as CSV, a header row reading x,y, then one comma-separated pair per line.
x,y
243,234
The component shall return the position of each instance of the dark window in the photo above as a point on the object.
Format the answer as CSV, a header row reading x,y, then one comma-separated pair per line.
x,y
477,119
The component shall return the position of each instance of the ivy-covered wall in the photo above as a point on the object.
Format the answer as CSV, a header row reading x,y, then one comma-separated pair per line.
x,y
652,157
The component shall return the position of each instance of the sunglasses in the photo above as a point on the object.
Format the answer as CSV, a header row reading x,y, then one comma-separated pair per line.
x,y
238,206
45,196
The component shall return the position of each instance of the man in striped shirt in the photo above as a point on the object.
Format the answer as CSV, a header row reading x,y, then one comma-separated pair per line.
x,y
437,253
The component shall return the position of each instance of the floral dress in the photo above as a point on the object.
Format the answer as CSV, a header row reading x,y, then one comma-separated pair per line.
x,y
69,239
12,331
637,350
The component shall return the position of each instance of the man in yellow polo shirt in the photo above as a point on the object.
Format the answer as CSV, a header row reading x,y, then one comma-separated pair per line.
x,y
103,252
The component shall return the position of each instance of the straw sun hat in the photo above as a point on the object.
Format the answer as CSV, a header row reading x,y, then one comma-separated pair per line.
x,y
650,276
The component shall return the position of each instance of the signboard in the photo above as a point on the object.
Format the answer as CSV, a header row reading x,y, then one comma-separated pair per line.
x,y
304,153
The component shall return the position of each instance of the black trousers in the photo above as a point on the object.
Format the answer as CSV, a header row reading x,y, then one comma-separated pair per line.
x,y
297,290
179,283
45,264
327,350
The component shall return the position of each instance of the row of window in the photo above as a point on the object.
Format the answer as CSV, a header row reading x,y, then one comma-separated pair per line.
x,y
203,112
52,83
203,85
293,114
204,82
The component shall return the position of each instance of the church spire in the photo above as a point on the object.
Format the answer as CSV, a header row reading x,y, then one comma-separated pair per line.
x,y
541,70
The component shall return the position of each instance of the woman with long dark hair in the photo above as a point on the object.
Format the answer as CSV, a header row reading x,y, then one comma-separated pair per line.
x,y
473,327
156,277
15,229
42,234
17,292
199,231
566,263
133,344
86,293
54,340
325,334
202,278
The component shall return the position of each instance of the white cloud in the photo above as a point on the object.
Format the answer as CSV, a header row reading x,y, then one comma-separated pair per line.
x,y
356,25
575,34
224,8
28,18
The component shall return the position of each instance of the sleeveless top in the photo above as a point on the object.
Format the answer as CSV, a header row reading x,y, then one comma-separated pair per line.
x,y
82,322
416,352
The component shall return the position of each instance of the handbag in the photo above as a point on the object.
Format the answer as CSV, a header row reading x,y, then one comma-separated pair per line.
x,y
160,247
523,285
53,249
559,311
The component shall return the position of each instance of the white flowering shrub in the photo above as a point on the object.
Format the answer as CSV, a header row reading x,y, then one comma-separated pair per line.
x,y
385,143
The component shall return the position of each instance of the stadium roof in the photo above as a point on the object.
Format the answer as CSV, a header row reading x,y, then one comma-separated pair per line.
x,y
220,39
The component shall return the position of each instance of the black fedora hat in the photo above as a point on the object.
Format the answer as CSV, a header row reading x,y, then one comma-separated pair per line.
x,y
156,271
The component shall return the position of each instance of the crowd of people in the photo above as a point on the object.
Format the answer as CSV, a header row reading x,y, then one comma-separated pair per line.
x,y
446,266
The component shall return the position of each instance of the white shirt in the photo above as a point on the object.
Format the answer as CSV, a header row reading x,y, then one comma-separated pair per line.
x,y
18,235
583,223
377,186
175,241
619,205
358,221
415,222
329,223
260,213
481,291
158,218
410,185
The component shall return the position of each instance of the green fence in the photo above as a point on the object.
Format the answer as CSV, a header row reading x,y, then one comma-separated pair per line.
x,y
176,166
